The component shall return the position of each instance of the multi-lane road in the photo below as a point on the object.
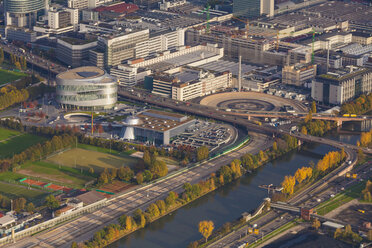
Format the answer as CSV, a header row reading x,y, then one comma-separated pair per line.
x,y
84,227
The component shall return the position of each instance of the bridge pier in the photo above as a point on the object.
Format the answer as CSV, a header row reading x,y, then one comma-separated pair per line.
x,y
339,123
249,117
299,142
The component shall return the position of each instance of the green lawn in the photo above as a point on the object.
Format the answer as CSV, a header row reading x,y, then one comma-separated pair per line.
x,y
18,144
9,76
96,159
60,175
106,150
7,133
340,199
14,191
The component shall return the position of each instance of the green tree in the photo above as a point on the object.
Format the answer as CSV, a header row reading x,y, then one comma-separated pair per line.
x,y
202,153
161,205
147,176
171,199
51,202
153,210
147,157
1,56
91,170
103,178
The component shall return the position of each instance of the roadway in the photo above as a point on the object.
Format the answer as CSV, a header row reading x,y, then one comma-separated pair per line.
x,y
215,113
84,227
34,59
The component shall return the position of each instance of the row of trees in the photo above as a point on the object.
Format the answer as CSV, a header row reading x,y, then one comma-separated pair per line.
x,y
19,62
365,139
191,192
37,151
347,235
316,127
305,174
10,95
367,191
359,106
19,204
1,56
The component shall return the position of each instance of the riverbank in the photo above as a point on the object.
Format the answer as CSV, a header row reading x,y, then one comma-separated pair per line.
x,y
196,191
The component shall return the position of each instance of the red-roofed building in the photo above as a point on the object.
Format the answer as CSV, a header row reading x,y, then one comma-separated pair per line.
x,y
123,8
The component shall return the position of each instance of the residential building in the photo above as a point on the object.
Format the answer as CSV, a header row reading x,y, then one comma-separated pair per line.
x,y
342,85
299,74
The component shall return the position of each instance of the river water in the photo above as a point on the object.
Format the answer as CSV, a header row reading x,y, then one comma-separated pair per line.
x,y
227,203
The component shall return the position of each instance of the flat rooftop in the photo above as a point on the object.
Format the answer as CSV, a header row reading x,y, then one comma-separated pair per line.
x,y
224,65
161,124
85,72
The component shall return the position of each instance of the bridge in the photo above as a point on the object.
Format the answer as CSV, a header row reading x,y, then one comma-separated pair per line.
x,y
211,112
286,115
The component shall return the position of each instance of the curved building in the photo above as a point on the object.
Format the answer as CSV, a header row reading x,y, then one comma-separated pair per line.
x,y
86,88
22,13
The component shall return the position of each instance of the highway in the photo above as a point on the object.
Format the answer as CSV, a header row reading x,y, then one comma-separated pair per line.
x,y
212,112
84,227
273,220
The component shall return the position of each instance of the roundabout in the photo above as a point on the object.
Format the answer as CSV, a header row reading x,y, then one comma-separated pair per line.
x,y
250,102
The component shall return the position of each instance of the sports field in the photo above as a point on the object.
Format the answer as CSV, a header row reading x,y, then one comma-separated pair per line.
x,y
13,144
82,158
14,191
6,134
61,175
10,76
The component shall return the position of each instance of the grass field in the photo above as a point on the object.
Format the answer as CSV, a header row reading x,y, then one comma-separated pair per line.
x,y
83,158
6,133
14,191
9,76
105,150
17,144
60,175
340,199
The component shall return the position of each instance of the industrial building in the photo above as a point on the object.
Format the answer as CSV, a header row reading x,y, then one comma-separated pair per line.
x,y
155,127
339,86
86,88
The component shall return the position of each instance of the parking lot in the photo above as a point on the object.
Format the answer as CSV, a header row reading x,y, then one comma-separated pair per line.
x,y
207,134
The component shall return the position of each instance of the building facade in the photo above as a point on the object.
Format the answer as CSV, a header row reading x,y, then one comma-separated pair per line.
x,y
86,88
73,51
298,75
341,86
23,13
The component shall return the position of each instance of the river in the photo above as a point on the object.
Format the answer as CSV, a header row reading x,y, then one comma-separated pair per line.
x,y
179,228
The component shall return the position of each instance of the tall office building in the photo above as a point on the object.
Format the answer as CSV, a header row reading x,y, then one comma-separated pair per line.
x,y
247,8
23,13
253,8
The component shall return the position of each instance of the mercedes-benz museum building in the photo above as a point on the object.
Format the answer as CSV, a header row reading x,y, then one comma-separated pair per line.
x,y
86,88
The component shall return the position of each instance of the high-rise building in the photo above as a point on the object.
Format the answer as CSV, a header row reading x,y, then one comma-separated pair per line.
x,y
253,8
23,13
120,47
247,8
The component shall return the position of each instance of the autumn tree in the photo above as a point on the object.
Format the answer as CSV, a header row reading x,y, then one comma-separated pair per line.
x,y
202,153
206,228
30,208
139,178
288,185
316,223
313,107
303,130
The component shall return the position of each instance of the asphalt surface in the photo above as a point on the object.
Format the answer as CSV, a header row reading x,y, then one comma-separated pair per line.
x,y
84,227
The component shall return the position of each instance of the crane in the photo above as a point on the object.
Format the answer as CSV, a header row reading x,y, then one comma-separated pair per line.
x,y
206,10
246,24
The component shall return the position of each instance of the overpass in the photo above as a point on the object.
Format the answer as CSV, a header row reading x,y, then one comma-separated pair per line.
x,y
211,112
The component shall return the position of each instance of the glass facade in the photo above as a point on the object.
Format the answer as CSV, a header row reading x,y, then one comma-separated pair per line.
x,y
23,6
94,93
247,8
